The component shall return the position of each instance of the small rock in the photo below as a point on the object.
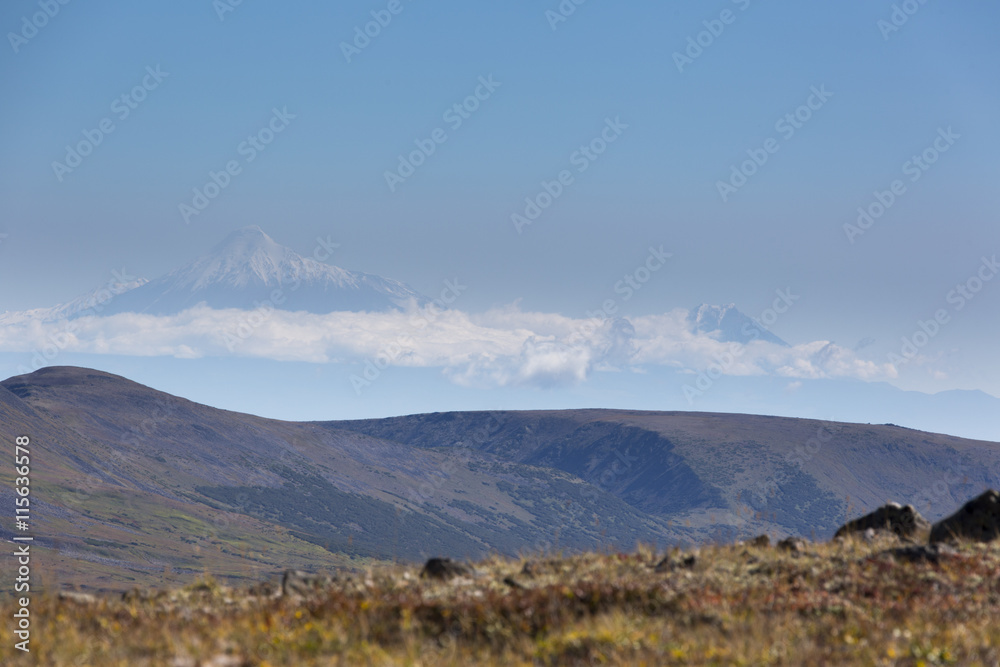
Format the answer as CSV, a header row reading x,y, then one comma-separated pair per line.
x,y
444,569
930,553
79,598
299,583
902,520
669,563
142,594
977,520
793,544
760,541
264,589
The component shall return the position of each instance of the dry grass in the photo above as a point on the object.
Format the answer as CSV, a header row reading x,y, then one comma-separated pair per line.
x,y
841,603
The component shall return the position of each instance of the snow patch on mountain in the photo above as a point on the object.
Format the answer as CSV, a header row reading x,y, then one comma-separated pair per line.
x,y
248,268
95,302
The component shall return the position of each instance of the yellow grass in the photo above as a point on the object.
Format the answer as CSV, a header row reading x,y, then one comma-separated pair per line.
x,y
840,603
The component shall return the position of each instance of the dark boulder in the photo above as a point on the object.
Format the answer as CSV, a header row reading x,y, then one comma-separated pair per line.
x,y
903,520
444,569
978,520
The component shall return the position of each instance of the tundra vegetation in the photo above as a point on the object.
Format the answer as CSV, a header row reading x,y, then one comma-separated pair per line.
x,y
864,599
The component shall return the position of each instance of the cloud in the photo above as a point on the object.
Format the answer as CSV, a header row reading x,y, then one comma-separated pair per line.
x,y
501,347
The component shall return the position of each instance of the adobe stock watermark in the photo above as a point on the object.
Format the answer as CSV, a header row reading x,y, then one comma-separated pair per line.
x,y
786,126
726,360
122,107
250,321
454,116
581,159
899,17
123,455
56,342
958,298
620,464
713,30
796,458
630,283
223,7
31,25
139,434
601,479
458,457
381,18
392,351
915,168
562,12
249,149
958,474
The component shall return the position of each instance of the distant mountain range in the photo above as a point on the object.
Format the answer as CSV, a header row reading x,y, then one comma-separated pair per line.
x,y
248,269
730,324
132,486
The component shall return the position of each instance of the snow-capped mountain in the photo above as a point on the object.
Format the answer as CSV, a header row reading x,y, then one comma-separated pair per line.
x,y
94,302
731,325
248,268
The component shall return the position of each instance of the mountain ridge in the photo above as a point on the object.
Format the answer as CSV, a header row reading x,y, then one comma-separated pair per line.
x,y
156,478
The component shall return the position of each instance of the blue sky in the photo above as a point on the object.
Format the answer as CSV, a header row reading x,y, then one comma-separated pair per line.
x,y
891,94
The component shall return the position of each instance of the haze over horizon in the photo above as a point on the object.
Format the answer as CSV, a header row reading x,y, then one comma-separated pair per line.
x,y
823,170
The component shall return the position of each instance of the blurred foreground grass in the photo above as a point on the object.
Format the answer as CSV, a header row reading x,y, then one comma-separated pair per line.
x,y
837,603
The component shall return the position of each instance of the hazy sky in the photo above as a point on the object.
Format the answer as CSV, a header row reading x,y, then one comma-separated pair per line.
x,y
834,101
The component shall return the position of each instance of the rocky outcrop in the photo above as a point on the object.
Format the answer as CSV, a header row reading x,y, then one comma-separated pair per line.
x,y
978,520
903,520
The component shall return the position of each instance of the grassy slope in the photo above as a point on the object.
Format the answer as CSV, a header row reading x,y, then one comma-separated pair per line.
x,y
727,458
134,483
157,483
839,603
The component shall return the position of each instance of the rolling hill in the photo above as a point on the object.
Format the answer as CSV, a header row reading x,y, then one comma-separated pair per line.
x,y
134,486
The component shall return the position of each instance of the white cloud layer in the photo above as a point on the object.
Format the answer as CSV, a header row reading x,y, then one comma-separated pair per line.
x,y
504,346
